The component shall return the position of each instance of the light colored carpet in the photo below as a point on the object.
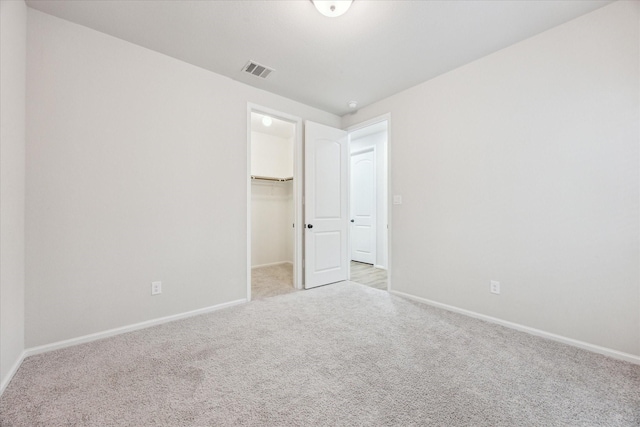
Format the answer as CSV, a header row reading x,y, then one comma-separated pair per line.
x,y
271,280
343,354
367,274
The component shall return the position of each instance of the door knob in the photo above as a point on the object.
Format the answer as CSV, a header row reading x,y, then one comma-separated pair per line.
x,y
353,220
309,225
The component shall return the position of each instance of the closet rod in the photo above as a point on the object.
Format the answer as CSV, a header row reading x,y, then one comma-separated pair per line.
x,y
269,178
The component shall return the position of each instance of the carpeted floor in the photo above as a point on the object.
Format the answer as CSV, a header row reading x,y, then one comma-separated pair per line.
x,y
342,354
271,280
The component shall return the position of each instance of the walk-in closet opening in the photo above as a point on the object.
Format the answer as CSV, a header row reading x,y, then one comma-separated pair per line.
x,y
368,205
273,205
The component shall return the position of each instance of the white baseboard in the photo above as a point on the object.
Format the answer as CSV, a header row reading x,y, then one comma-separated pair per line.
x,y
124,329
6,380
270,264
559,338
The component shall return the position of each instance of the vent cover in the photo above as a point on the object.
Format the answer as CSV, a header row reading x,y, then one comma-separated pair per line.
x,y
257,70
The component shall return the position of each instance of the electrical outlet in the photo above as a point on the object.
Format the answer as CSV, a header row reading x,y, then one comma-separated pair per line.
x,y
156,288
495,287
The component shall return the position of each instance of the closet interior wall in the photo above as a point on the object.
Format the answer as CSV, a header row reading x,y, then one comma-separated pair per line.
x,y
272,209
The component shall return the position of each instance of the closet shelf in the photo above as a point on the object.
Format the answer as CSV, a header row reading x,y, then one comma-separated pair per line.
x,y
271,178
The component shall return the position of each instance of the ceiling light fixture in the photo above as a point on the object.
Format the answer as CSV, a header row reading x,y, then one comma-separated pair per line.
x,y
352,104
332,8
266,120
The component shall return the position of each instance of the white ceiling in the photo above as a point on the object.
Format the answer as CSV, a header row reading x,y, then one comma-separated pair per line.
x,y
376,49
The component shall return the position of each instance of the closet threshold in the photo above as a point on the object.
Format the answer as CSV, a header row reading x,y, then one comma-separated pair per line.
x,y
271,178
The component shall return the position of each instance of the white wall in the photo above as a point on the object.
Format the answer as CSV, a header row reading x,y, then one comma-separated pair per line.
x,y
13,40
523,167
379,141
136,171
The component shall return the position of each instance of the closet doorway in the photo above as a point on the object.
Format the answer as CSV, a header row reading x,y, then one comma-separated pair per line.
x,y
368,203
273,241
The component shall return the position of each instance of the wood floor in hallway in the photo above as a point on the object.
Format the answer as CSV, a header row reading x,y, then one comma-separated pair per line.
x,y
367,274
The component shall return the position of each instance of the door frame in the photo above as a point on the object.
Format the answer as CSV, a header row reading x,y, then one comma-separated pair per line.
x,y
382,118
297,190
374,251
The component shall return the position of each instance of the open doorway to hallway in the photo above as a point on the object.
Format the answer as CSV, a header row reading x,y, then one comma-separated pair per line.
x,y
368,204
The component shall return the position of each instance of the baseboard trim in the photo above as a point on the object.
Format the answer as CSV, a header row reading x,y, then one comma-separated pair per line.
x,y
129,328
5,382
270,264
627,357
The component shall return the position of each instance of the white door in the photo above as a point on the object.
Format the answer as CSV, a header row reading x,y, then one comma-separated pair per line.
x,y
363,206
326,205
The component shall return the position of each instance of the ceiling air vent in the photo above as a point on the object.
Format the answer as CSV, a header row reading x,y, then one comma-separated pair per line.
x,y
257,70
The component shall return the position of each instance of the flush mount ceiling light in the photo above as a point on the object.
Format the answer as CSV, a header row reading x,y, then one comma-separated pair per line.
x,y
266,120
352,104
332,8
